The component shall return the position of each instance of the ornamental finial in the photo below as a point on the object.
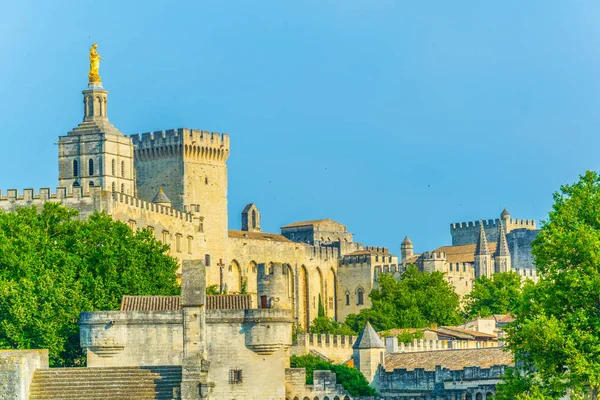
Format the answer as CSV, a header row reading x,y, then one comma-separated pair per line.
x,y
93,75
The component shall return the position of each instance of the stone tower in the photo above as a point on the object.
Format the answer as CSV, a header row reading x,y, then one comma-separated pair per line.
x,y
483,257
406,250
251,218
272,286
502,254
95,153
190,166
368,352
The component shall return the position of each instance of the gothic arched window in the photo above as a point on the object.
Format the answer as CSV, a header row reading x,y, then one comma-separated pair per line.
x,y
360,296
91,167
75,168
112,165
123,169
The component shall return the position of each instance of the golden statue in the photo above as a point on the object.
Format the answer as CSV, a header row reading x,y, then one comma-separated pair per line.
x,y
94,65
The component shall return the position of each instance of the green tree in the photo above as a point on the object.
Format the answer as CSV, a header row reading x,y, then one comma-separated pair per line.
x,y
556,335
416,300
500,294
54,266
321,309
327,325
350,378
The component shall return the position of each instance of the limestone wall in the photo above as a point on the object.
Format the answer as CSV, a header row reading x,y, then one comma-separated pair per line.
x,y
468,232
16,371
337,348
519,243
324,386
252,341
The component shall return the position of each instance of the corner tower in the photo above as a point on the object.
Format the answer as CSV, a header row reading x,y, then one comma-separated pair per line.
x,y
95,153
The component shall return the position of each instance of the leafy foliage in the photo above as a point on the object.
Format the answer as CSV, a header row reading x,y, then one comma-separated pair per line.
x,y
500,294
350,378
556,335
417,300
328,325
321,309
408,337
53,266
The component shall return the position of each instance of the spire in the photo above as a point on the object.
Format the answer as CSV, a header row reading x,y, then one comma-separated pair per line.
x,y
368,339
502,247
482,248
407,241
505,214
161,198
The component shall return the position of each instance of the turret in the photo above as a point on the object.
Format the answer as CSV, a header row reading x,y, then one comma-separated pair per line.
x,y
406,249
272,286
161,198
368,353
502,255
483,258
251,218
433,261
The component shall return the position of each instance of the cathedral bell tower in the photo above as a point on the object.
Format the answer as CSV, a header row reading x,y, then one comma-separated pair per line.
x,y
95,153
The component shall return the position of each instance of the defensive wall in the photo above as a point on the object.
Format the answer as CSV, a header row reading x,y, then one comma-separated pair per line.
x,y
337,348
253,341
324,386
393,346
468,232
16,371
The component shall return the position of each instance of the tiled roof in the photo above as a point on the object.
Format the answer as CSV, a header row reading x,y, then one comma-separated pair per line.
x,y
450,359
171,303
412,259
368,339
307,223
464,253
475,334
258,236
366,252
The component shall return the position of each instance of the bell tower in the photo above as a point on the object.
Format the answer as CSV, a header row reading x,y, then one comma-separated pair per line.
x,y
95,153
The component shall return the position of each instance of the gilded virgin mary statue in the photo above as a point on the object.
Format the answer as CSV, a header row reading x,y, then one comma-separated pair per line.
x,y
95,58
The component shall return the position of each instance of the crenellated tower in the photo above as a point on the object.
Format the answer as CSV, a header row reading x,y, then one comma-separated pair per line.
x,y
502,259
95,153
190,166
483,257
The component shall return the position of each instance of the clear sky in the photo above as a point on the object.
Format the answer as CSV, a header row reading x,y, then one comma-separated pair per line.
x,y
393,117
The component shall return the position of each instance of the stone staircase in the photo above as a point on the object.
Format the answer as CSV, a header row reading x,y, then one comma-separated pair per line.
x,y
135,383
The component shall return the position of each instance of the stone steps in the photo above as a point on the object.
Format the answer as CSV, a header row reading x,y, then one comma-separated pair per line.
x,y
135,383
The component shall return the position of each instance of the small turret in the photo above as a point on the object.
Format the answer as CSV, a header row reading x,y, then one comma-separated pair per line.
x,y
483,259
502,254
368,353
272,286
161,198
406,249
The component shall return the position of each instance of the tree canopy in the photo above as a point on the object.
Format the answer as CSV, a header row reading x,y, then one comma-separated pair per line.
x,y
556,335
54,266
350,378
416,300
500,294
328,325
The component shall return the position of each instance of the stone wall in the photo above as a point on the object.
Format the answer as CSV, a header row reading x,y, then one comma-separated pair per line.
x,y
392,345
324,386
468,232
337,348
16,371
519,243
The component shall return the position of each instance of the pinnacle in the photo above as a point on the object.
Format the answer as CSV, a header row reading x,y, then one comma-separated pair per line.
x,y
482,248
502,247
368,339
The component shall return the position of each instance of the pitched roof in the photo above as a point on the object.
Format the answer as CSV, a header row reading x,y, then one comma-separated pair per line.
x,y
505,213
258,236
307,223
248,207
463,253
171,303
161,197
474,334
407,241
450,359
368,339
482,248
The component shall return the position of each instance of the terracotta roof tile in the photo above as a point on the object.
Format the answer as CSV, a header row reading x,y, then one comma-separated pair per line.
x,y
258,236
171,303
450,359
464,253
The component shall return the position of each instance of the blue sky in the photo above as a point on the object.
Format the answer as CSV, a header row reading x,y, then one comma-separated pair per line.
x,y
393,117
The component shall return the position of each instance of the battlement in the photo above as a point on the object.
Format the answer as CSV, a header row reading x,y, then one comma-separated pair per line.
x,y
152,207
460,267
392,345
514,223
194,143
433,255
43,194
527,273
468,232
335,347
383,250
323,253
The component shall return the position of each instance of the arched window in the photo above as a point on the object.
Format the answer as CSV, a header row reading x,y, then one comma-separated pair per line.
x,y
360,296
478,396
122,169
75,168
91,185
112,168
91,167
347,298
122,188
253,218
76,184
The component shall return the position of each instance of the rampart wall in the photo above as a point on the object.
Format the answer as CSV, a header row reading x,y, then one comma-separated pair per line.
x,y
393,346
16,371
324,386
468,232
337,348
